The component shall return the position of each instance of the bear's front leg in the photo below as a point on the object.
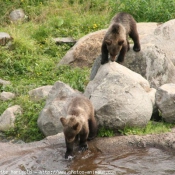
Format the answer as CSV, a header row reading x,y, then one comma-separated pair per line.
x,y
69,149
123,51
104,51
83,146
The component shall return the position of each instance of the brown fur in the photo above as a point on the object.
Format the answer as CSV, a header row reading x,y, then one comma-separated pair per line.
x,y
80,121
116,42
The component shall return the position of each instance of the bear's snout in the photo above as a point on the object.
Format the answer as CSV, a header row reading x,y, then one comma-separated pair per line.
x,y
112,58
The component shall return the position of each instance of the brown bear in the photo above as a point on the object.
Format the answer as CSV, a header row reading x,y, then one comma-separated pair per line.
x,y
79,123
116,38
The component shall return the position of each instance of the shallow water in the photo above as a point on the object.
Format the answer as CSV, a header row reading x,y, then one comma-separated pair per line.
x,y
137,162
49,159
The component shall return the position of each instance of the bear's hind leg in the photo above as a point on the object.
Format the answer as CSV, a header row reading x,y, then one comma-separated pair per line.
x,y
135,37
92,129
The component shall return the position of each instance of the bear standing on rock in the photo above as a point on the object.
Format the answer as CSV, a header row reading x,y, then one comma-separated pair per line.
x,y
80,122
116,39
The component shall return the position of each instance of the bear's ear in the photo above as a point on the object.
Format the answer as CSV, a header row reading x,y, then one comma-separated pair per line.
x,y
75,126
120,42
108,42
63,121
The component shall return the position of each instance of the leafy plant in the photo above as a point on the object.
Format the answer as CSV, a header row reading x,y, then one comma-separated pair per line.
x,y
103,132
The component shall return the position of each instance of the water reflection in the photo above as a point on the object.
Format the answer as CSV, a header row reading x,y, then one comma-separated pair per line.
x,y
138,162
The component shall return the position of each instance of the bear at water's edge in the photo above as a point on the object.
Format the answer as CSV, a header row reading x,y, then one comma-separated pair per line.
x,y
79,123
116,42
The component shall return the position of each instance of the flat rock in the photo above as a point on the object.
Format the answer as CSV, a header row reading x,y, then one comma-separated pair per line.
x,y
5,96
4,82
64,40
17,15
40,93
8,117
5,38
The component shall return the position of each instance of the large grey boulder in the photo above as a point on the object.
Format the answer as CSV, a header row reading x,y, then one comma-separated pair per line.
x,y
155,115
153,64
84,52
120,97
55,107
146,29
155,60
165,100
165,39
7,119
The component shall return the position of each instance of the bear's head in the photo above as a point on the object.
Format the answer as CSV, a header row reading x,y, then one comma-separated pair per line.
x,y
71,127
114,39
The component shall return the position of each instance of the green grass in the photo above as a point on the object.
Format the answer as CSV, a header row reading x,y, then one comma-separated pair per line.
x,y
151,128
25,125
32,60
147,10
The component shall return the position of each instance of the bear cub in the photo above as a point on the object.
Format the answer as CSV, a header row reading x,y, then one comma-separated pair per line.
x,y
116,42
79,124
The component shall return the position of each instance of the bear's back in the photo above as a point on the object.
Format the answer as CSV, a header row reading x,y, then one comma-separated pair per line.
x,y
80,105
125,19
